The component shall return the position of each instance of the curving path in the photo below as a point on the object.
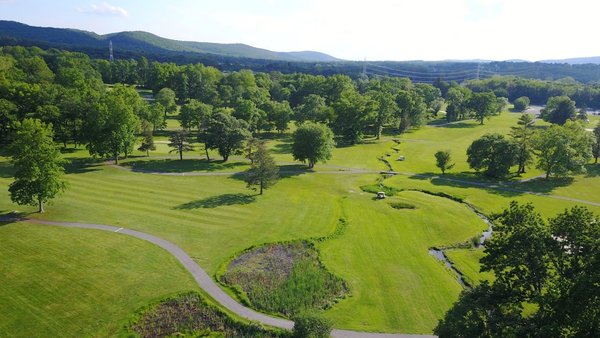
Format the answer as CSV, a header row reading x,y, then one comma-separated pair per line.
x,y
206,283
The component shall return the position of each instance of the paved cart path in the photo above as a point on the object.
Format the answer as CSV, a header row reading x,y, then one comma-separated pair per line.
x,y
205,282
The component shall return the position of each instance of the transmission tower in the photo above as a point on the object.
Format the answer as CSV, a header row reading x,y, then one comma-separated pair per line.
x,y
110,51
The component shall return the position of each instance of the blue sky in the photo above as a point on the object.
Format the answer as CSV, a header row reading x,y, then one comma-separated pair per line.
x,y
349,29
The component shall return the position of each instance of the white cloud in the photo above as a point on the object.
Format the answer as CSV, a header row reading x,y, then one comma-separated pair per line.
x,y
104,9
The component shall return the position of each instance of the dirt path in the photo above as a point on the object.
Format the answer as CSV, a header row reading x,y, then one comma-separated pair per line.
x,y
206,283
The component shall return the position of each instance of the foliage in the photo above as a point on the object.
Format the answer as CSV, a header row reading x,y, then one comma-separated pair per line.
x,y
353,114
443,160
181,141
38,164
311,325
112,125
563,150
285,278
521,103
596,143
263,172
190,314
548,266
166,98
522,135
483,105
493,153
315,109
225,133
147,139
402,205
313,142
559,109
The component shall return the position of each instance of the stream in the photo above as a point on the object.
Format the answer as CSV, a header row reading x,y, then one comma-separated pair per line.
x,y
440,254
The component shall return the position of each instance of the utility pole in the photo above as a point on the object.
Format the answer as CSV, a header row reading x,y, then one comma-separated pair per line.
x,y
111,58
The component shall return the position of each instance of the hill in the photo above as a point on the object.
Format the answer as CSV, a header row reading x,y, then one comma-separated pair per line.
x,y
12,32
576,61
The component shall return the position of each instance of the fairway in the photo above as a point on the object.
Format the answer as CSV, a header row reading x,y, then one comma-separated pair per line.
x,y
74,282
394,284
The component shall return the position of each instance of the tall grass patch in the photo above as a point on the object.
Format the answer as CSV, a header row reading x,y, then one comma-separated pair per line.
x,y
284,278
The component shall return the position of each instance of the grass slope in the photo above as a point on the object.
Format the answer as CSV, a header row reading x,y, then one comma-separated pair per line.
x,y
75,283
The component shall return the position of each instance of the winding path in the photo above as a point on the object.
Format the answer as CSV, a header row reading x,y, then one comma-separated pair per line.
x,y
205,282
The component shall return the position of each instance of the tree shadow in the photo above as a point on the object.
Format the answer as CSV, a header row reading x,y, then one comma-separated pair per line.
x,y
6,170
285,171
82,165
282,148
10,217
544,186
217,201
181,166
460,125
592,170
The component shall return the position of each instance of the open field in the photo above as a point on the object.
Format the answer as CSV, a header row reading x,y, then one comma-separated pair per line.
x,y
395,285
74,283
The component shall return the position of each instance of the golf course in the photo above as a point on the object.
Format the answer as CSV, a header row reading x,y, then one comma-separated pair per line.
x,y
82,282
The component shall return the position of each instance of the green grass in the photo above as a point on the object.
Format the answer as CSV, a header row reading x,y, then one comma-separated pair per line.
x,y
396,285
76,283
467,262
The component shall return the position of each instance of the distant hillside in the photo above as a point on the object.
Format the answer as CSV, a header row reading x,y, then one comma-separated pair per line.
x,y
140,42
576,61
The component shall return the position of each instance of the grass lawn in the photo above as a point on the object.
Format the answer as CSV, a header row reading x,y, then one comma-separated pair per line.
x,y
59,282
396,285
467,262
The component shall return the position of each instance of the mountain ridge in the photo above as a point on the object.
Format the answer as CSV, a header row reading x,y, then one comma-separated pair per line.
x,y
136,41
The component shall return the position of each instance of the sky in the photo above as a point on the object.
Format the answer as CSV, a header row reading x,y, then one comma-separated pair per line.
x,y
348,29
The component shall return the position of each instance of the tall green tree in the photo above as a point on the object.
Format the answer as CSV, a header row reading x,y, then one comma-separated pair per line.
x,y
443,160
166,97
263,172
385,108
563,150
493,153
483,105
353,114
226,133
552,267
181,142
193,114
559,109
313,142
39,170
112,125
522,135
596,143
147,138
314,108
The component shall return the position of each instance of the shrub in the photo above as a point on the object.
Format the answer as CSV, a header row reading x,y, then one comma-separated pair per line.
x,y
402,205
311,325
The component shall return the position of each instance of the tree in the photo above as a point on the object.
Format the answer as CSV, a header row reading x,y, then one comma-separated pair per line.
x,y
147,139
443,160
558,110
315,109
411,109
263,172
493,153
311,325
313,142
385,107
596,144
193,114
522,135
553,267
563,150
457,99
226,133
521,104
37,163
112,125
352,116
166,97
180,142
483,106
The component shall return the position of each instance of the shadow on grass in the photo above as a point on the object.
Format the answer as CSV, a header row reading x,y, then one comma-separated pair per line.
x,y
180,166
544,186
282,148
285,171
82,165
217,201
6,170
460,125
592,170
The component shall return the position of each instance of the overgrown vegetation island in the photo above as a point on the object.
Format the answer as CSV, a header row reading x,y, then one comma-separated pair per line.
x,y
170,150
